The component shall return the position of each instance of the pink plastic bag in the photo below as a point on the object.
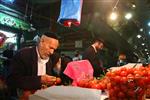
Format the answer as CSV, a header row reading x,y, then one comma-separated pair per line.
x,y
78,70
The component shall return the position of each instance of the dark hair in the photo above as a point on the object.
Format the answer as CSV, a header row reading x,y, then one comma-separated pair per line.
x,y
98,40
51,35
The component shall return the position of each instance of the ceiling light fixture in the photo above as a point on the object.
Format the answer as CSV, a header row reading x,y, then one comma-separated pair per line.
x,y
113,16
148,24
139,36
128,16
133,5
141,29
143,44
146,50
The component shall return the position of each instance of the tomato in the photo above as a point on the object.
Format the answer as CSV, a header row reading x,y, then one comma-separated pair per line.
x,y
130,71
123,73
141,83
117,72
109,86
124,80
81,83
108,74
124,88
117,79
92,82
58,80
102,85
131,93
121,95
131,85
112,93
96,86
116,89
130,76
113,98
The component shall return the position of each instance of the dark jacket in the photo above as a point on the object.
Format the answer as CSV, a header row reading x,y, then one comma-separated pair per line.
x,y
93,57
23,70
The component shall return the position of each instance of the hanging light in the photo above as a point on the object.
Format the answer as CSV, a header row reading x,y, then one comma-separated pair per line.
x,y
139,36
148,24
113,16
143,44
128,16
146,50
141,29
133,5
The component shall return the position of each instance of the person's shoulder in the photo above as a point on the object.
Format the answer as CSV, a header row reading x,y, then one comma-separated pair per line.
x,y
26,50
89,49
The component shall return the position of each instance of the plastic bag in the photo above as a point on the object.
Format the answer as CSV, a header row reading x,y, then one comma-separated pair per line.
x,y
70,12
79,70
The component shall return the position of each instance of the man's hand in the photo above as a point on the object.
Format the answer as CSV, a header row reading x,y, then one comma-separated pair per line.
x,y
47,79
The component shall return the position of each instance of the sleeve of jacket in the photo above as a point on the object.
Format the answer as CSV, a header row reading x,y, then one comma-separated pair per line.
x,y
89,55
21,74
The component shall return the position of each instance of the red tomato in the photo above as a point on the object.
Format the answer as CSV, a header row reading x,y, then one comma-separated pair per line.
x,y
113,98
102,85
108,74
130,76
131,93
124,88
131,85
117,79
141,83
123,73
109,86
124,80
121,95
117,72
92,82
116,89
96,86
58,80
81,83
112,93
130,71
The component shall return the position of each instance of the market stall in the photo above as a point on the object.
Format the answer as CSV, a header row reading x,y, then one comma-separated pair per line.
x,y
13,24
130,82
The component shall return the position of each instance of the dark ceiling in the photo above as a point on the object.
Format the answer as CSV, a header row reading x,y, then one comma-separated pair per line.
x,y
43,14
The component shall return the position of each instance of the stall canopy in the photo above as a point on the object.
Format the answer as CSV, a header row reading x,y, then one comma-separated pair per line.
x,y
12,19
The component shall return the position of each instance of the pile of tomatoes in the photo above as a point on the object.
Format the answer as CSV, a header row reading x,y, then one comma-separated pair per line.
x,y
128,83
93,83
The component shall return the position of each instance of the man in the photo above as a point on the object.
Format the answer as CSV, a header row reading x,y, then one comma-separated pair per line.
x,y
31,67
91,54
121,59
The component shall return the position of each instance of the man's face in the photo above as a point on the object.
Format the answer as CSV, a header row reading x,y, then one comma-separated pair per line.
x,y
99,46
47,46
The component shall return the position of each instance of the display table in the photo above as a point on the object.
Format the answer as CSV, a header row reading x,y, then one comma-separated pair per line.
x,y
68,93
